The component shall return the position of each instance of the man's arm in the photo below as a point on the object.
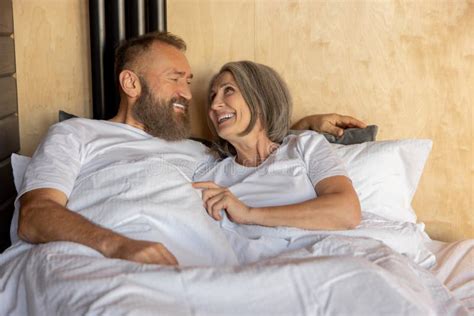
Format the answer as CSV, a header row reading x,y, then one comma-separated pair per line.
x,y
328,123
44,218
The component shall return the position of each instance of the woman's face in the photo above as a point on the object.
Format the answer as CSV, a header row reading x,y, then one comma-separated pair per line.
x,y
229,113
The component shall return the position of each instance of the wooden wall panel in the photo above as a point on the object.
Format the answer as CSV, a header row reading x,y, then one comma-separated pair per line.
x,y
407,66
53,64
6,17
9,138
8,98
7,51
215,32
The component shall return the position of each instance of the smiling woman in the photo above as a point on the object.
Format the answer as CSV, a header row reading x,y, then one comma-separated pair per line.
x,y
270,179
248,97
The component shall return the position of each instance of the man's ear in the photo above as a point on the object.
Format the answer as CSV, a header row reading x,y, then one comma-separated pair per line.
x,y
130,83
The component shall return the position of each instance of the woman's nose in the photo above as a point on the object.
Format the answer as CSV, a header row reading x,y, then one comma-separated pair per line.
x,y
217,103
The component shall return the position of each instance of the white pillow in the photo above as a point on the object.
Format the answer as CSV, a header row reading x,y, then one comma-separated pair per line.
x,y
19,164
385,174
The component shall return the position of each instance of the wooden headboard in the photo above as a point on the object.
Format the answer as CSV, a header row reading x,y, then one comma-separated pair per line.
x,y
9,133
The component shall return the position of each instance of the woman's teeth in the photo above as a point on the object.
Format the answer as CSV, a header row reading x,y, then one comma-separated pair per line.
x,y
225,117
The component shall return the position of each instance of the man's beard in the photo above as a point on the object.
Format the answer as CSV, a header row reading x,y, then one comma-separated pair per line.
x,y
159,117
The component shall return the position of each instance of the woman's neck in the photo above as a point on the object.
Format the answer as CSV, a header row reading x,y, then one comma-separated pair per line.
x,y
252,151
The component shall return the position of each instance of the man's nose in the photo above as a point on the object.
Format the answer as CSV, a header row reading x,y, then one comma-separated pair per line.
x,y
185,91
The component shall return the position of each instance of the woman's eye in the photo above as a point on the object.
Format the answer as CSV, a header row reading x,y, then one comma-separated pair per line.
x,y
228,90
212,96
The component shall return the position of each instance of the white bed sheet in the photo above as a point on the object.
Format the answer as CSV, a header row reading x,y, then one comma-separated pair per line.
x,y
455,268
266,272
337,275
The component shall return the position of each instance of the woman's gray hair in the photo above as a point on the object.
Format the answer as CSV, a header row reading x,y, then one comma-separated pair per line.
x,y
266,95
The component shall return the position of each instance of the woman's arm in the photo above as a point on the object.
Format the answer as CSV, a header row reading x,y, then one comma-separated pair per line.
x,y
336,207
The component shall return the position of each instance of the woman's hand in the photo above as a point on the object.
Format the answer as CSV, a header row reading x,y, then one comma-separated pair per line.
x,y
328,123
217,198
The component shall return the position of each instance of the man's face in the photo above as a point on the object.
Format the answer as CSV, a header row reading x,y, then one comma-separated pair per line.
x,y
160,117
164,100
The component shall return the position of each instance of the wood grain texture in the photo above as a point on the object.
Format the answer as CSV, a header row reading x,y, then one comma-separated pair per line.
x,y
215,32
53,64
407,66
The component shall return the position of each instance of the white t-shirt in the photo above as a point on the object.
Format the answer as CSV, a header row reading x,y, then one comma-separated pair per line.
x,y
287,176
76,148
124,179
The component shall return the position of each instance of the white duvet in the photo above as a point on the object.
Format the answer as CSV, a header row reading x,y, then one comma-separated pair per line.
x,y
225,269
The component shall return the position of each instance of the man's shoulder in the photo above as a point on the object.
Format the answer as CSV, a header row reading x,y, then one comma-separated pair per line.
x,y
75,123
80,122
85,126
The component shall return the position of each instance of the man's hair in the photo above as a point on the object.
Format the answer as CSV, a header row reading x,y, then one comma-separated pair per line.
x,y
267,97
131,50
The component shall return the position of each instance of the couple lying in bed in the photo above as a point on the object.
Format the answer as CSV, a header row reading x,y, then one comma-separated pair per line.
x,y
268,179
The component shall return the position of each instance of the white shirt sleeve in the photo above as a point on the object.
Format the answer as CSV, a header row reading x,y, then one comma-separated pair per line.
x,y
320,159
56,162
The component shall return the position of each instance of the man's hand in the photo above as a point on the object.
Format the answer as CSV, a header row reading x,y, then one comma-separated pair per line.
x,y
144,252
328,123
217,198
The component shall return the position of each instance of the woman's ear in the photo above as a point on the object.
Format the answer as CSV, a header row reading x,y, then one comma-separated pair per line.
x,y
130,83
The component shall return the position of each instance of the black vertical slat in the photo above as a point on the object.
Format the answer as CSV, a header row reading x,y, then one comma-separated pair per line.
x,y
8,186
136,19
9,131
6,214
156,15
115,33
109,25
97,38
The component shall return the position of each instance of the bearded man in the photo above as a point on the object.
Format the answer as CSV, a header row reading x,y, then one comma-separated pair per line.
x,y
122,187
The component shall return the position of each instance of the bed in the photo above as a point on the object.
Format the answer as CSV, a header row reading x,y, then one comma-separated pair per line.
x,y
388,265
